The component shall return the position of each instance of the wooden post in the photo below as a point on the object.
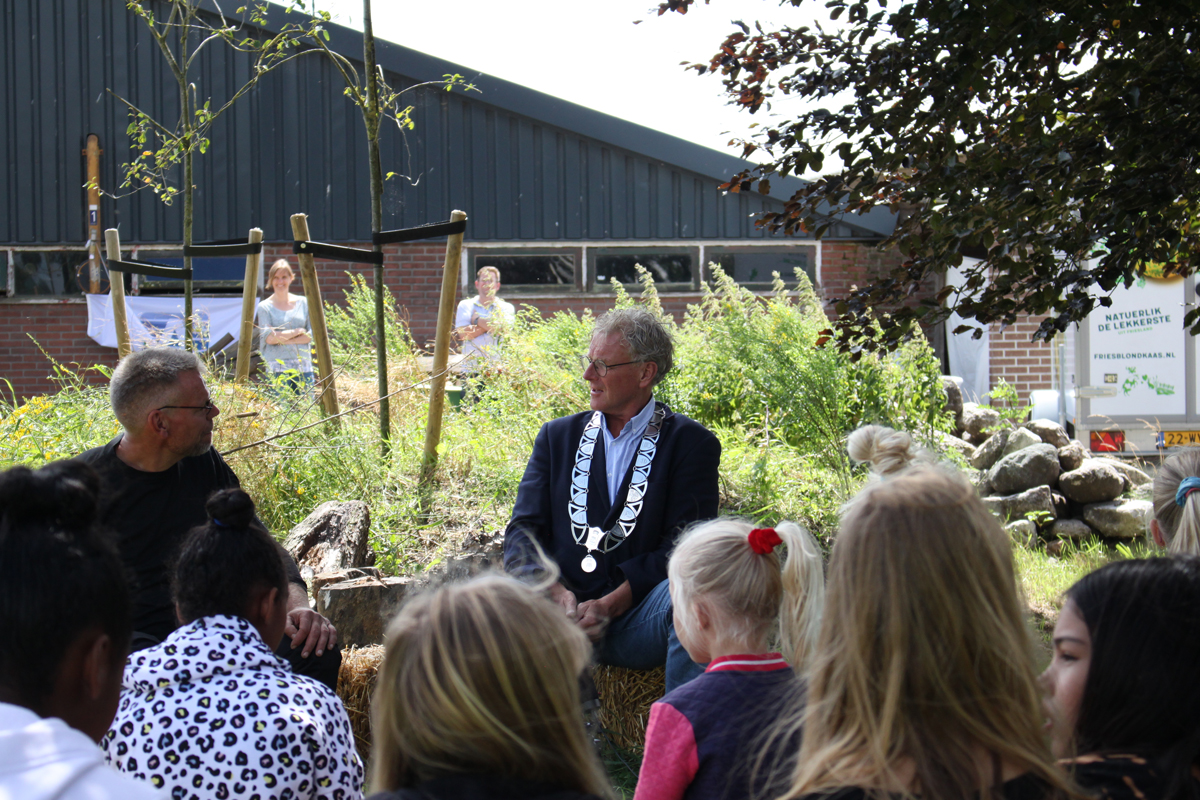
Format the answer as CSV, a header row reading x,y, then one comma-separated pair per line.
x,y
249,296
441,348
93,152
316,317
116,291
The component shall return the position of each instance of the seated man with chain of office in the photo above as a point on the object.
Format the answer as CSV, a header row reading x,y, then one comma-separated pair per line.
x,y
156,477
606,493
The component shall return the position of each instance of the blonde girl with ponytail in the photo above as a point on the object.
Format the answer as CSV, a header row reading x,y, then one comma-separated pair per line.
x,y
731,596
1176,521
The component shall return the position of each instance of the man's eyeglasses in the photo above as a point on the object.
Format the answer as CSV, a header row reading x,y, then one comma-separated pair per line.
x,y
206,408
601,368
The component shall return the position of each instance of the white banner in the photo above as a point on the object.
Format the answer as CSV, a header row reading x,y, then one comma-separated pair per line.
x,y
159,320
1137,348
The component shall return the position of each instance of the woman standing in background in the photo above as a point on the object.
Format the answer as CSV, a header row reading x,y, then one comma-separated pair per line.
x,y
286,332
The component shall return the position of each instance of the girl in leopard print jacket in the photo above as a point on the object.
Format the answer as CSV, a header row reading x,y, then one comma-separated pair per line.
x,y
212,712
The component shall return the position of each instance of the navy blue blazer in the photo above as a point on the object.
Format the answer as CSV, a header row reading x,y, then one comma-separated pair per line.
x,y
682,489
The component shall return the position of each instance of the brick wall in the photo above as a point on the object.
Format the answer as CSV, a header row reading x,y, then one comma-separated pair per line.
x,y
1016,358
413,273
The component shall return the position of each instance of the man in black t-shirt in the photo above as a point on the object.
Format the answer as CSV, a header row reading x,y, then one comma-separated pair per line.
x,y
156,478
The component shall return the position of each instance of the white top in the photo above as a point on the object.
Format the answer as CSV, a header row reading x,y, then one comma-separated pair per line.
x,y
284,357
45,759
212,713
471,311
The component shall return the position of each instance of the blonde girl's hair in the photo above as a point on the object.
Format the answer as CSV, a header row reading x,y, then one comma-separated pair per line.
x,y
751,592
483,677
276,268
924,660
1180,525
887,451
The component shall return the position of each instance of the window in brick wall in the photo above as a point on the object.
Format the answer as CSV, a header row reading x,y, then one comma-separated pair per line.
x,y
45,273
752,267
672,268
549,270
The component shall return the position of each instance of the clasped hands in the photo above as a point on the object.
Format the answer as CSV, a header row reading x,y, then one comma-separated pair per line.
x,y
593,616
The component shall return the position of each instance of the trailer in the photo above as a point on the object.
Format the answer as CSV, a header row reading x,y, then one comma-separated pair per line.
x,y
1135,381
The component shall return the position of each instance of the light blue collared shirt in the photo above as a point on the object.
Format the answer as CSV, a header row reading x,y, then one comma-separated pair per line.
x,y
619,450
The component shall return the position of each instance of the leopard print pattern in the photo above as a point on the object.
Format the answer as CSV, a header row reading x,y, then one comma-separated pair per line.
x,y
212,713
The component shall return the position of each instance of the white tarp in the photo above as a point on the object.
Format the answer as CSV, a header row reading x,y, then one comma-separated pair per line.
x,y
968,357
1137,347
159,320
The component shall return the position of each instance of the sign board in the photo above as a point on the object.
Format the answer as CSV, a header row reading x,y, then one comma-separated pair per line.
x,y
1137,346
157,321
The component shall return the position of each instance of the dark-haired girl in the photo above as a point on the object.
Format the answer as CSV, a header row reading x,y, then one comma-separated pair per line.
x,y
1123,711
212,712
65,626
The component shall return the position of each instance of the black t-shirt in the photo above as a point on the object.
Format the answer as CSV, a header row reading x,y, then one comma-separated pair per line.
x,y
150,513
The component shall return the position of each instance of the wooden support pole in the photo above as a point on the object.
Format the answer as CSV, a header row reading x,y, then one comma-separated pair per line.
x,y
116,291
316,318
249,296
441,348
93,152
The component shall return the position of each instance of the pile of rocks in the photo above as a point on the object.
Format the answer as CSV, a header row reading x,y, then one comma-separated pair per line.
x,y
1041,482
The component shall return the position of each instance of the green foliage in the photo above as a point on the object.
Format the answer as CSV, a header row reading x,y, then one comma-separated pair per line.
x,y
1006,401
352,326
1022,133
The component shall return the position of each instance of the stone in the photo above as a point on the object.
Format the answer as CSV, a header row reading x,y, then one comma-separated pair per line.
x,y
1143,492
332,538
1071,456
1119,519
326,578
954,399
1019,440
480,551
990,451
1033,466
977,419
1023,532
1049,432
1016,506
1093,482
953,443
1136,476
362,608
1074,529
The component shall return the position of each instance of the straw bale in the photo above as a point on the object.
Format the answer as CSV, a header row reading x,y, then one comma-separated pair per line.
x,y
625,699
356,684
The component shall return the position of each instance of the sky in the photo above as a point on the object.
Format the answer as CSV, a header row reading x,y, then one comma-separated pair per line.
x,y
592,54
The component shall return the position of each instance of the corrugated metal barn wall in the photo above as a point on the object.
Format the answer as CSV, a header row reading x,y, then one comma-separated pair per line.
x,y
297,144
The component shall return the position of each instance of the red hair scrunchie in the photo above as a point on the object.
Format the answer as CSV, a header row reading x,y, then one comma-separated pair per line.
x,y
763,540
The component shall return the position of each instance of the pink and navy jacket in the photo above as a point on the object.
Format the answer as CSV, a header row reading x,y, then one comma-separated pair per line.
x,y
703,738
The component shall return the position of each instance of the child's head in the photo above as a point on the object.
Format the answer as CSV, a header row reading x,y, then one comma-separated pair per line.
x,y
231,566
888,451
1176,520
1126,655
725,579
924,656
483,677
64,602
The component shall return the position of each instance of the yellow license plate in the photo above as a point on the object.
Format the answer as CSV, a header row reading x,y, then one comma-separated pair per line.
x,y
1180,438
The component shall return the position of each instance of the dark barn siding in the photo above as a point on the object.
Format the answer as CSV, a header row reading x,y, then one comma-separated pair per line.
x,y
296,144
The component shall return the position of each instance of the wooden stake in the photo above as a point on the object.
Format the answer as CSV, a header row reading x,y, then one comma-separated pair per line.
x,y
116,291
249,296
441,348
316,317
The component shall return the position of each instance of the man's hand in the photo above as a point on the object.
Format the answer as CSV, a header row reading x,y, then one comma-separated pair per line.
x,y
565,598
594,615
307,627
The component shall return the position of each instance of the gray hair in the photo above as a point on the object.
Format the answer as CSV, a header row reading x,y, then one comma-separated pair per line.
x,y
142,378
643,334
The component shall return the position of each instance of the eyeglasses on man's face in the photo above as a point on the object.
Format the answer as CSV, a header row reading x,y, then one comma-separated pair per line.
x,y
601,368
207,408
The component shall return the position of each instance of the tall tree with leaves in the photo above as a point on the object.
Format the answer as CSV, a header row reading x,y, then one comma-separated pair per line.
x,y
182,32
1056,140
378,102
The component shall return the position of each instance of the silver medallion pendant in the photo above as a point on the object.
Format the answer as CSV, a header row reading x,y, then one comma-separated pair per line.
x,y
588,564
